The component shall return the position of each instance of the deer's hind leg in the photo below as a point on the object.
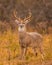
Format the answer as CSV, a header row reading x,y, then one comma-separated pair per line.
x,y
42,55
35,51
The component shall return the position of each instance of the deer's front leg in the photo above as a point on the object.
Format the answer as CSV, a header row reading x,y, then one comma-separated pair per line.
x,y
23,52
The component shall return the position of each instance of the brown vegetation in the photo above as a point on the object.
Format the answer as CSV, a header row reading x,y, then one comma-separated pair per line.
x,y
41,22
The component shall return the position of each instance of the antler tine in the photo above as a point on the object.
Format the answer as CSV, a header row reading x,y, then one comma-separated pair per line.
x,y
18,18
26,18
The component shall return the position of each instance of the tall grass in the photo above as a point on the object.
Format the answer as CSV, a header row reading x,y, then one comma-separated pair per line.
x,y
10,49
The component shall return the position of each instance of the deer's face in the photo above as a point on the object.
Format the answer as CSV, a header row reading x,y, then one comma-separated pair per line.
x,y
21,27
22,23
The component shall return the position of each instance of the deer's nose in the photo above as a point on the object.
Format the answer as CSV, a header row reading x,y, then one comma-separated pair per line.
x,y
21,26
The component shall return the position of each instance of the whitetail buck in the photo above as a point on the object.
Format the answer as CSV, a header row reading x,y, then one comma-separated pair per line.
x,y
28,39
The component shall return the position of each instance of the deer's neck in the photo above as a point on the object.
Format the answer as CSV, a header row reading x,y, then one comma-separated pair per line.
x,y
21,34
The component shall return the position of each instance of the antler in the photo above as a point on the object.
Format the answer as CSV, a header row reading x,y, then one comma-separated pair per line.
x,y
17,18
29,17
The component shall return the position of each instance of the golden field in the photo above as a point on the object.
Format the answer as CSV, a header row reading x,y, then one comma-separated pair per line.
x,y
10,50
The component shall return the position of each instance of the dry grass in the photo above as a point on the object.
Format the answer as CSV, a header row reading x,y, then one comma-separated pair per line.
x,y
10,50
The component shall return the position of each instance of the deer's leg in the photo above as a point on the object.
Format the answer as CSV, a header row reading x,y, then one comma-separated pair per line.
x,y
35,52
42,54
23,52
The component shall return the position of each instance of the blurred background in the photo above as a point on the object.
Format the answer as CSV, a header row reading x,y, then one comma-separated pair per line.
x,y
41,22
41,10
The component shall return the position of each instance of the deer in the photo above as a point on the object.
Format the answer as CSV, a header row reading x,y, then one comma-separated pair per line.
x,y
28,39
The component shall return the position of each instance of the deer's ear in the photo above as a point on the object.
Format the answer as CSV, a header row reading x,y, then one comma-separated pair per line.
x,y
17,21
27,21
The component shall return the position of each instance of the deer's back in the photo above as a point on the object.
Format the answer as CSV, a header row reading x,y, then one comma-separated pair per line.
x,y
36,39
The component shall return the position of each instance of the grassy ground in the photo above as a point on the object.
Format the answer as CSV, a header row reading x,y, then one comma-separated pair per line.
x,y
10,50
